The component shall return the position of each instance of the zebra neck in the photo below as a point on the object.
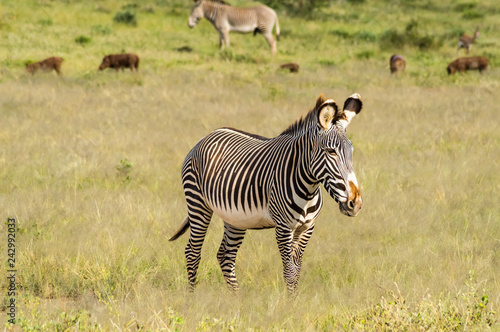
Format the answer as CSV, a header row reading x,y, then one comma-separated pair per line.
x,y
302,151
211,11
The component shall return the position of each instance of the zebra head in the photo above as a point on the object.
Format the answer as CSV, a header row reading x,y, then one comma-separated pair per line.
x,y
332,159
197,14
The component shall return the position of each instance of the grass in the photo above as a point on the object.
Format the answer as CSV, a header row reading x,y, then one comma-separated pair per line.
x,y
90,168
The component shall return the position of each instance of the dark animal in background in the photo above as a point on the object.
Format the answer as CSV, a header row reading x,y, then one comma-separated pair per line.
x,y
117,61
186,49
466,40
397,63
49,64
293,67
462,64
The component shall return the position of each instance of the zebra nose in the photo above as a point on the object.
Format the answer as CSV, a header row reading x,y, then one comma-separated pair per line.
x,y
354,202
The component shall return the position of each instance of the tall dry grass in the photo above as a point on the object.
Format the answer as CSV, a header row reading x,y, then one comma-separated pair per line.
x,y
90,169
91,172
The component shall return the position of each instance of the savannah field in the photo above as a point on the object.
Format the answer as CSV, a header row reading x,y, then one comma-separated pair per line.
x,y
90,167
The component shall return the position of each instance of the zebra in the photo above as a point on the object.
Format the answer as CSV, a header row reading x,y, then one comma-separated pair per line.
x,y
225,18
253,182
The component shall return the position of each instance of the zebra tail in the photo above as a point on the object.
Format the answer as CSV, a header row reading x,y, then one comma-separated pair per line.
x,y
277,29
184,227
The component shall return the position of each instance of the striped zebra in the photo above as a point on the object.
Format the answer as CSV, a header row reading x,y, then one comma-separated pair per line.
x,y
253,182
227,18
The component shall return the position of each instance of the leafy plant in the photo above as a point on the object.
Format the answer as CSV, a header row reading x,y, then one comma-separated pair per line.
x,y
304,8
101,29
46,22
412,36
82,40
126,17
124,169
472,14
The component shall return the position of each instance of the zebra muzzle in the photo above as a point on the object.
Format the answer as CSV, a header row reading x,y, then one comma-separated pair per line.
x,y
354,203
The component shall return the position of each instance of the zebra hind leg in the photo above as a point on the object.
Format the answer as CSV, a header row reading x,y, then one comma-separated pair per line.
x,y
270,40
199,219
231,242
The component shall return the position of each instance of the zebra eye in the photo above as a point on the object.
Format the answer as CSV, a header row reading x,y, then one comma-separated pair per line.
x,y
331,151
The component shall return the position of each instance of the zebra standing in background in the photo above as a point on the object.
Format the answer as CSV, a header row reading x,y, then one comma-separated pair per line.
x,y
227,18
253,182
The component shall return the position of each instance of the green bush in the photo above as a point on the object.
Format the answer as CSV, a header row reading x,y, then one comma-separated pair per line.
x,y
46,21
411,37
327,62
472,14
366,36
367,54
101,29
304,8
82,40
125,17
341,33
461,6
392,38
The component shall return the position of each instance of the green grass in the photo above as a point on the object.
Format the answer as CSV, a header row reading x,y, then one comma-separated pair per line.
x,y
90,168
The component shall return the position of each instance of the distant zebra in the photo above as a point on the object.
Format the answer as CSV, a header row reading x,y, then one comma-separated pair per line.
x,y
227,18
465,41
253,182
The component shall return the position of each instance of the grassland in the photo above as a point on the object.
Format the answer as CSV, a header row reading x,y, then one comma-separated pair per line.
x,y
90,168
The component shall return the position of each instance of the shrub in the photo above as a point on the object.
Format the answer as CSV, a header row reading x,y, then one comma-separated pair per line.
x,y
392,38
101,29
304,8
367,54
82,40
472,14
229,55
46,21
411,37
341,33
461,6
125,17
366,36
327,62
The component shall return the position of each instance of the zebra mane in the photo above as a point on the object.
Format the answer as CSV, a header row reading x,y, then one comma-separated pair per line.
x,y
305,122
222,2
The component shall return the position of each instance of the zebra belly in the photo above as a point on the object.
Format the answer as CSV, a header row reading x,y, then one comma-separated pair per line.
x,y
256,219
244,28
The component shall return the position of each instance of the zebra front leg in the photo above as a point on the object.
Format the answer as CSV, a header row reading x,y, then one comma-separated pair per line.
x,y
199,218
231,242
300,239
284,237
224,38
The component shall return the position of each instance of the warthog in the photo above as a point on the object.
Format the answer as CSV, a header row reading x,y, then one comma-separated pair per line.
x,y
294,68
397,63
462,64
49,64
122,61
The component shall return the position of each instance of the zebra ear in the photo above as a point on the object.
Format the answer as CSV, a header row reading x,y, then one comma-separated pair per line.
x,y
328,111
352,106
